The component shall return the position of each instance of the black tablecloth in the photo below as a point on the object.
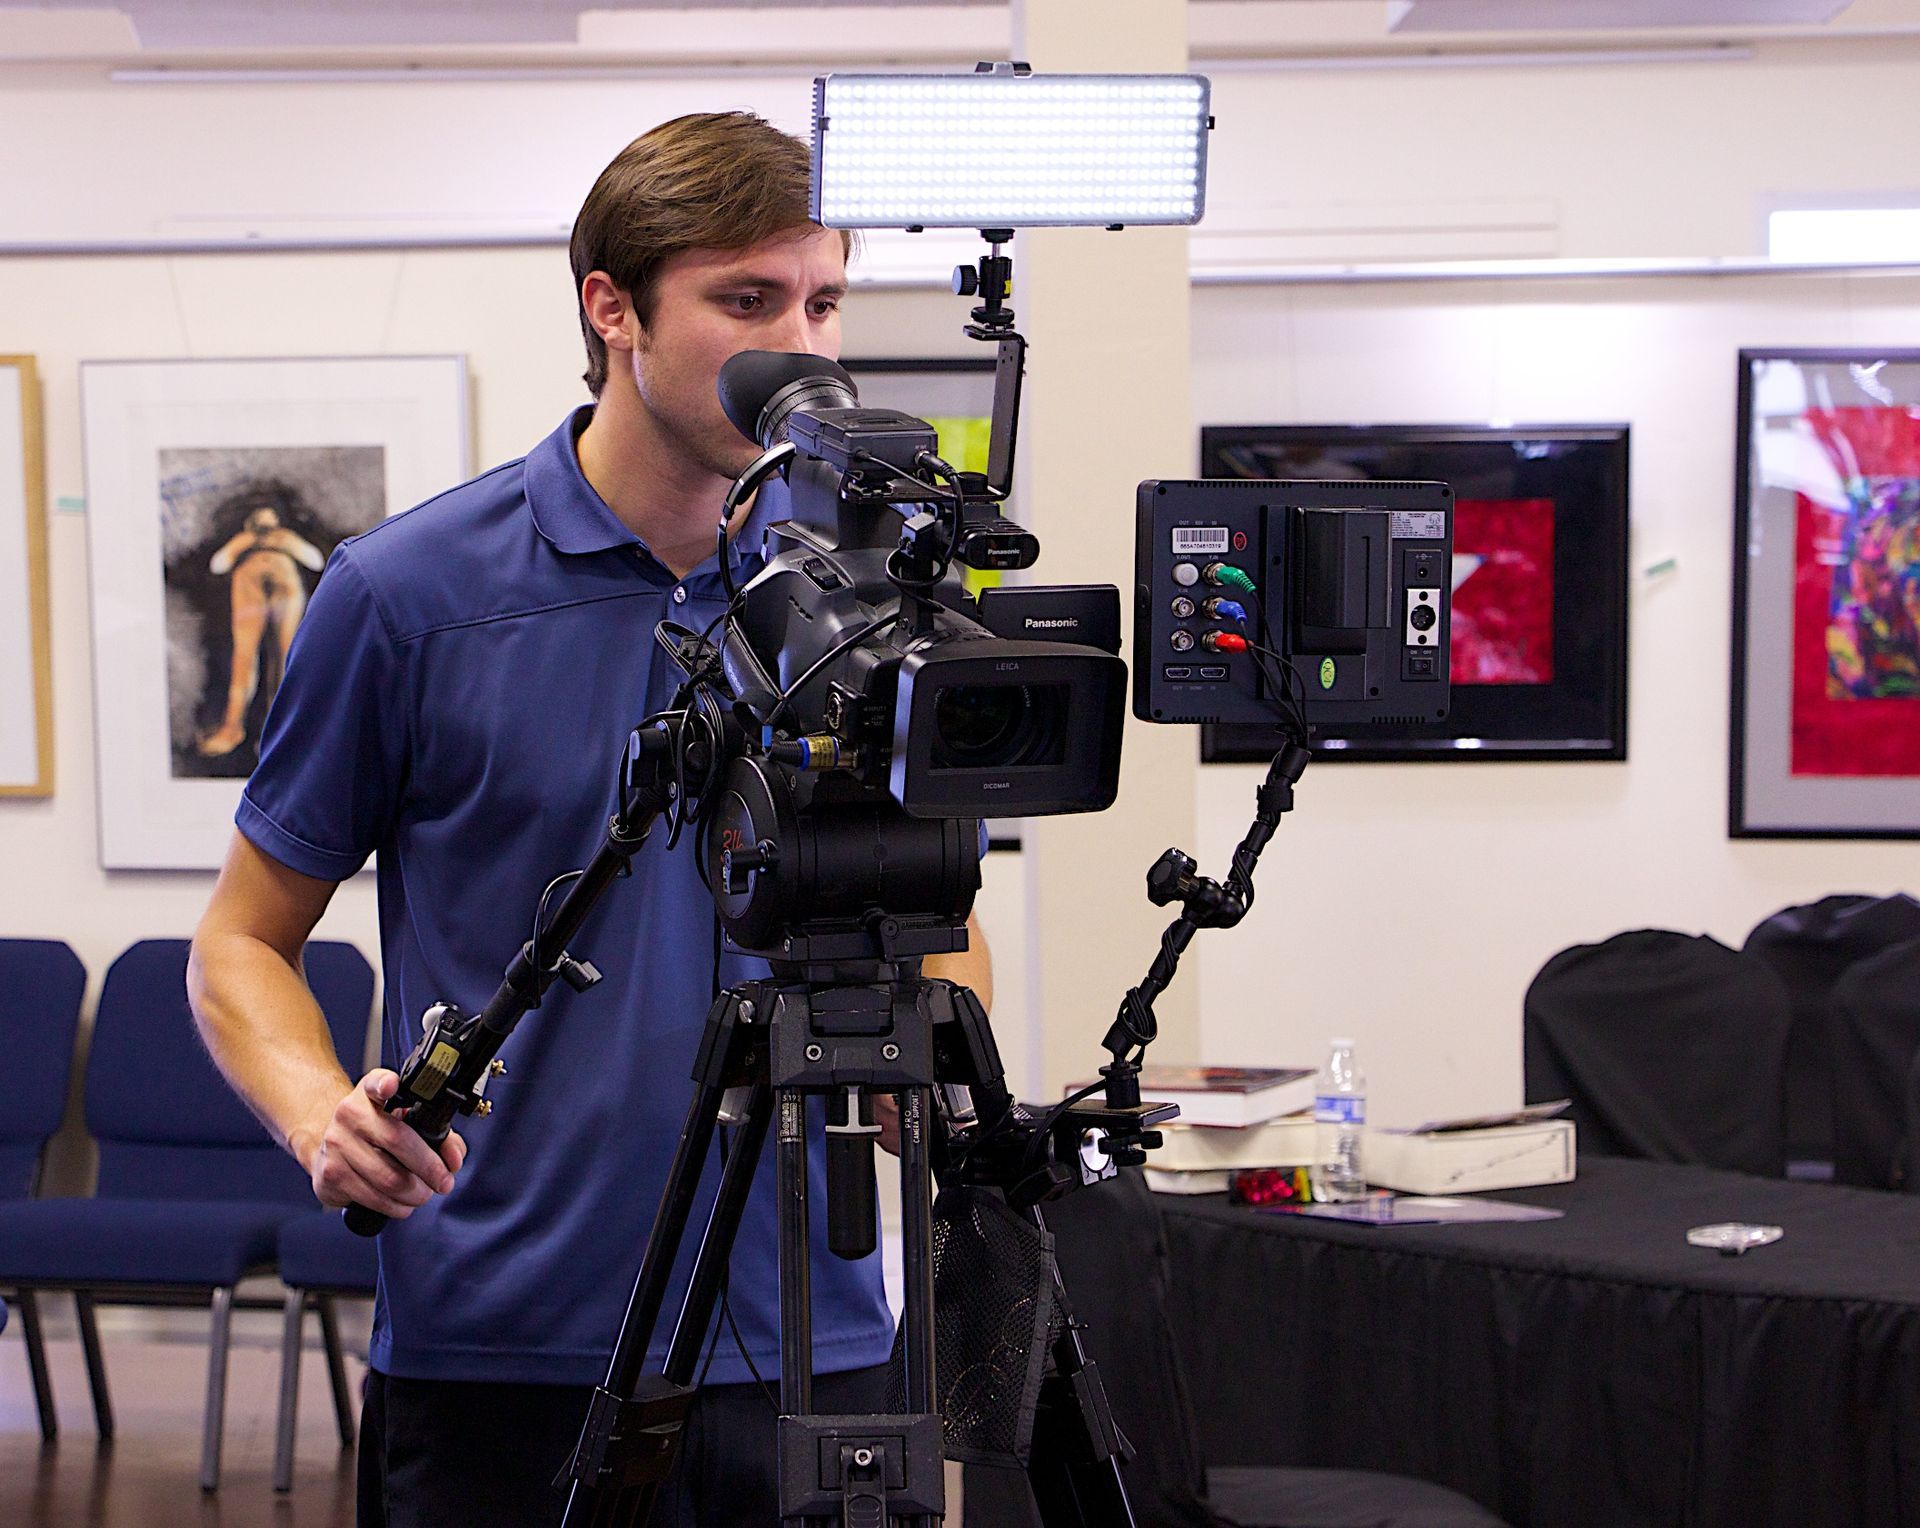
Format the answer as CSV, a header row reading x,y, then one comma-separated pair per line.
x,y
1589,1370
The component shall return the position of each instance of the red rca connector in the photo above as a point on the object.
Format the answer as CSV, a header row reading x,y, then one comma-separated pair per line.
x,y
1224,642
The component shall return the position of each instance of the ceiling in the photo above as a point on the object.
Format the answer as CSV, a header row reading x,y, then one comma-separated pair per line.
x,y
863,30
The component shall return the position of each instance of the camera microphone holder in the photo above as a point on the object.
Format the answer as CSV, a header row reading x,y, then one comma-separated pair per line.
x,y
1204,903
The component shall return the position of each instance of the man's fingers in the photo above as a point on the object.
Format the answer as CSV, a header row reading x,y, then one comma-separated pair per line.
x,y
409,1148
453,1150
379,1084
374,1170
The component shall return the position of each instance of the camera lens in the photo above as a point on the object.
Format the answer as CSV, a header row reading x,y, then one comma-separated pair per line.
x,y
977,721
993,726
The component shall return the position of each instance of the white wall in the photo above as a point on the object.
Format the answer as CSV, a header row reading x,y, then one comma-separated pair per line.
x,y
1393,163
1410,904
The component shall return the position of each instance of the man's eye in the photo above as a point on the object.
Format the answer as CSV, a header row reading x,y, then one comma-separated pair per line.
x,y
748,302
825,306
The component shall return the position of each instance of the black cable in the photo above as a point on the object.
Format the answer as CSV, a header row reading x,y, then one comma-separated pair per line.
x,y
814,668
540,915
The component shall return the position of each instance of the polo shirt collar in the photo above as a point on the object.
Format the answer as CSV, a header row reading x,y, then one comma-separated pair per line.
x,y
576,520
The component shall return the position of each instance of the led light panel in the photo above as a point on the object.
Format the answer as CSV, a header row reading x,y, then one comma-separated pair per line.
x,y
1008,151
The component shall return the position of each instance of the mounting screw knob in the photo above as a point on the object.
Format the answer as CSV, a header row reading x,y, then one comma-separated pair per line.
x,y
966,281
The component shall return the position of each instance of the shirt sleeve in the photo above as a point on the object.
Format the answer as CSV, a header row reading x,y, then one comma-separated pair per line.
x,y
333,756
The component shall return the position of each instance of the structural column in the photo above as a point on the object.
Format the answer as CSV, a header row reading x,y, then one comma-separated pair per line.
x,y
1108,402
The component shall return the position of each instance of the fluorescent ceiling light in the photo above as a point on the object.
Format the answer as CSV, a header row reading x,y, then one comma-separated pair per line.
x,y
1008,150
1845,233
1404,16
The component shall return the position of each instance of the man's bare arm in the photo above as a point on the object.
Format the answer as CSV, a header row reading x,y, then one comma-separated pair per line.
x,y
267,1035
971,968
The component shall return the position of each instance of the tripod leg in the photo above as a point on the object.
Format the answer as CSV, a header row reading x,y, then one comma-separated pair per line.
x,y
716,1244
916,1236
611,1447
796,1268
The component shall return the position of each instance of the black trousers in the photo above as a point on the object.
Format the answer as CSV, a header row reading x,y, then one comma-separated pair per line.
x,y
455,1454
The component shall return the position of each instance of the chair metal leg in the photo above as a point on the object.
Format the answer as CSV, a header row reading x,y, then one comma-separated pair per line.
x,y
296,1309
216,1389
96,1363
29,1305
336,1369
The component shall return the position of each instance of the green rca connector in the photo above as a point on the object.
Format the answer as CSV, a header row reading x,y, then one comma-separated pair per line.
x,y
1226,575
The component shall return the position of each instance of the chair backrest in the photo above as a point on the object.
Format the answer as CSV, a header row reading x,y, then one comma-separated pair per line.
x,y
1670,1046
1875,1038
167,1124
41,985
1810,946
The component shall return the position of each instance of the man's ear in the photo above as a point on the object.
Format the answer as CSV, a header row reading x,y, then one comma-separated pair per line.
x,y
608,309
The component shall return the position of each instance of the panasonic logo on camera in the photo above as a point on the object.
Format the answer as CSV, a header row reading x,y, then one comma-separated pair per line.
x,y
1034,624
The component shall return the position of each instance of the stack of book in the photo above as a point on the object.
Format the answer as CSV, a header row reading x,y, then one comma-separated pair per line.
x,y
1231,1117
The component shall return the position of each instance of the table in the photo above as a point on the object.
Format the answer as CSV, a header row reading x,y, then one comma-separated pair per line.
x,y
1589,1370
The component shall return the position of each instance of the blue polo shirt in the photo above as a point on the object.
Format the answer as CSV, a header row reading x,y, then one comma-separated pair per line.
x,y
457,698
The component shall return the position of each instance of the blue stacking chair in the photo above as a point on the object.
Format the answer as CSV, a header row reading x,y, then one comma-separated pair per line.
x,y
41,985
192,1191
320,1259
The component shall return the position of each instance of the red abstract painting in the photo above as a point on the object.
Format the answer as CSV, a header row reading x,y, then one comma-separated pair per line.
x,y
1503,591
1856,616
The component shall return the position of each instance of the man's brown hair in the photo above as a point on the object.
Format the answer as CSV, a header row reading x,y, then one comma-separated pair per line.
x,y
712,180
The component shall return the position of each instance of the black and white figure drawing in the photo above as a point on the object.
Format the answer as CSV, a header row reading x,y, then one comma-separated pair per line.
x,y
245,536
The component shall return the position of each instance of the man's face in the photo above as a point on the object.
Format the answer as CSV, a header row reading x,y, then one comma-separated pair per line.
x,y
711,304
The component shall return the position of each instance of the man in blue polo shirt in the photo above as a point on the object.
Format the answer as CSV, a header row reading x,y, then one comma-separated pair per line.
x,y
457,699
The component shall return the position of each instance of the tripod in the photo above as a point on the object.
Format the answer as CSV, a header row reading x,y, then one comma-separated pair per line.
x,y
833,1021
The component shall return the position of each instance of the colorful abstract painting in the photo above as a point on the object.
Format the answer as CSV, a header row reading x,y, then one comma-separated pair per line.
x,y
1503,591
1856,636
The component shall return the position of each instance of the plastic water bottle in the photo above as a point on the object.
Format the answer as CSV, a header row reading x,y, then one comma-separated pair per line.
x,y
1339,1113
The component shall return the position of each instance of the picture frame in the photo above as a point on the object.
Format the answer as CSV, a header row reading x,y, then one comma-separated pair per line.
x,y
215,491
1540,607
26,653
1825,685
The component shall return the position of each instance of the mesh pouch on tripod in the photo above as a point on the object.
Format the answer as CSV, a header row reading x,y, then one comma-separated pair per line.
x,y
993,1317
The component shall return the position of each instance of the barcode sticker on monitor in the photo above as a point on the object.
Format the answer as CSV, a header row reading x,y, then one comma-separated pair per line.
x,y
1199,540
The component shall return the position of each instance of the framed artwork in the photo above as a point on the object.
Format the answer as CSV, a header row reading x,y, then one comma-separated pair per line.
x,y
26,671
1826,596
1539,633
215,492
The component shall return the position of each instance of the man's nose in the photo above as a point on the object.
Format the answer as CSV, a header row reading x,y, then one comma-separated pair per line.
x,y
796,334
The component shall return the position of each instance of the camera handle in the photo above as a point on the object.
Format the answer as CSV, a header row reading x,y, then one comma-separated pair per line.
x,y
1204,903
